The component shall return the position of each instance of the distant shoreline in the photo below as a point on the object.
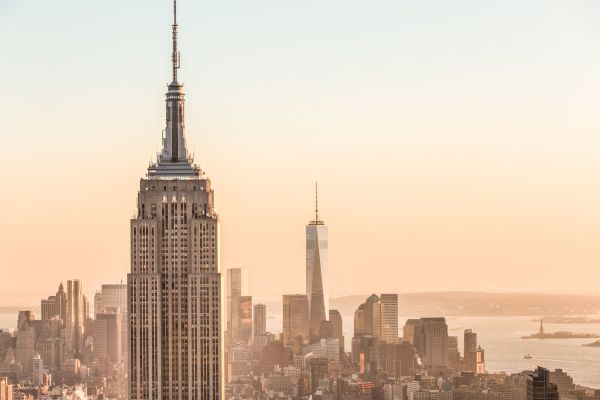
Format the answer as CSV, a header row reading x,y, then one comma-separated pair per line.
x,y
568,307
16,309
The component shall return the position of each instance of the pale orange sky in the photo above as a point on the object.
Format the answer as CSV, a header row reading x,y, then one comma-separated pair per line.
x,y
451,154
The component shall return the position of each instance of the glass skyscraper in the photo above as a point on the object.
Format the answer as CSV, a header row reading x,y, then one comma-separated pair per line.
x,y
316,273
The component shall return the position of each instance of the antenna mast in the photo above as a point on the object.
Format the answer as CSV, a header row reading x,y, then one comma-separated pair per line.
x,y
317,202
175,56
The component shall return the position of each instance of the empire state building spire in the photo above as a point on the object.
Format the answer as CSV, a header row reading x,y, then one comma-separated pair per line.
x,y
174,159
175,56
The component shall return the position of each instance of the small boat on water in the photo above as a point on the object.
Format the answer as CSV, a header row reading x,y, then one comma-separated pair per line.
x,y
527,356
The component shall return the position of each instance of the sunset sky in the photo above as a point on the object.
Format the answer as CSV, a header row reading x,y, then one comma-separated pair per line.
x,y
456,143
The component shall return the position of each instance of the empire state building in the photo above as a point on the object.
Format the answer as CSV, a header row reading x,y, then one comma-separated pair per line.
x,y
174,288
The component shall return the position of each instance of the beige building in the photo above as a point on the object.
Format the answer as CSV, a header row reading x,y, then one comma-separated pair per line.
x,y
107,335
25,347
113,297
260,320
51,351
259,323
363,316
335,318
408,332
6,389
435,342
75,318
470,350
38,370
378,317
49,308
385,318
237,286
295,320
174,287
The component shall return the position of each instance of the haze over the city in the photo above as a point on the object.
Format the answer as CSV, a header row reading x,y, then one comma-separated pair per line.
x,y
454,138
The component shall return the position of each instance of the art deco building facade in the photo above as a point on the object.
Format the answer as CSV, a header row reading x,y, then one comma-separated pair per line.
x,y
316,274
174,288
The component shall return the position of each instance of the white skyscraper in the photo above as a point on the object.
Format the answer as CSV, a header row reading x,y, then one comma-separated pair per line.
x,y
316,272
174,288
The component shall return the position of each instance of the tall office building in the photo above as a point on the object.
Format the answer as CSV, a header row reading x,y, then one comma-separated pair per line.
x,y
295,320
259,334
385,318
50,333
470,350
480,361
539,386
49,308
363,316
75,318
564,383
85,308
61,303
38,370
6,389
378,317
25,343
453,353
316,272
237,286
260,319
174,287
335,318
107,332
244,331
408,332
51,350
431,342
113,297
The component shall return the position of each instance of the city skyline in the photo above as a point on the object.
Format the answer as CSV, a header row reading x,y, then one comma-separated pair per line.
x,y
455,151
520,186
453,167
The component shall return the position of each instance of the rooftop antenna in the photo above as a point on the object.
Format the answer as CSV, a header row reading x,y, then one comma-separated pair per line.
x,y
316,221
317,202
175,56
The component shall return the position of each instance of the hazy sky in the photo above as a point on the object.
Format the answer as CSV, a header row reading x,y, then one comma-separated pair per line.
x,y
456,143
